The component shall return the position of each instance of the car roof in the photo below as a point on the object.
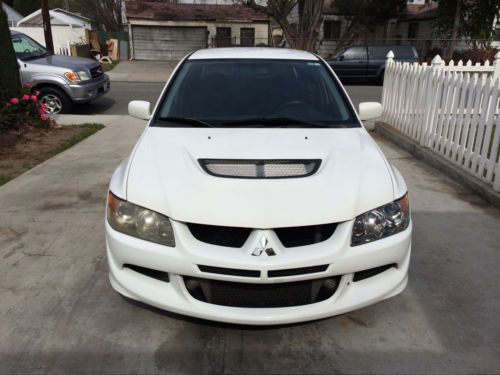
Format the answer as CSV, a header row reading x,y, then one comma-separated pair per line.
x,y
252,53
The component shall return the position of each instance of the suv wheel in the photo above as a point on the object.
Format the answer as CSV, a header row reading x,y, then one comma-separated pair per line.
x,y
55,100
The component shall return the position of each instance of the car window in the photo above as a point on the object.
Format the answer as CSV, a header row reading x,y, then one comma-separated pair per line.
x,y
225,91
404,53
355,53
26,47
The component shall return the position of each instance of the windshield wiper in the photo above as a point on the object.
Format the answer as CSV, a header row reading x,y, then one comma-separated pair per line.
x,y
187,121
274,122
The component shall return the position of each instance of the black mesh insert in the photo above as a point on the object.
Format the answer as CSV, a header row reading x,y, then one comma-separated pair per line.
x,y
229,271
297,271
221,236
155,274
302,236
262,295
361,275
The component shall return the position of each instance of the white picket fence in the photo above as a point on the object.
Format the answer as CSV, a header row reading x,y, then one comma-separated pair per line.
x,y
451,109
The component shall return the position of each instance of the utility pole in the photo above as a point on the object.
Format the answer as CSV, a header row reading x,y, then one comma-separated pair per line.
x,y
47,31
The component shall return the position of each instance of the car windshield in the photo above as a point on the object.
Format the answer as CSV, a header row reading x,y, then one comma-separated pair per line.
x,y
26,48
255,93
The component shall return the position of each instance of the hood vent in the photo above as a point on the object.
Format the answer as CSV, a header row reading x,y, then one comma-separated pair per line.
x,y
260,169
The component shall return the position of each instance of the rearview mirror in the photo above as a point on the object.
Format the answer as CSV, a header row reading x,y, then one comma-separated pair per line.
x,y
369,110
139,109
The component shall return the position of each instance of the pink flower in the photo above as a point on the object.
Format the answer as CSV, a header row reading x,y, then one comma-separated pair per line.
x,y
7,104
14,101
26,97
37,93
44,117
27,85
44,106
34,98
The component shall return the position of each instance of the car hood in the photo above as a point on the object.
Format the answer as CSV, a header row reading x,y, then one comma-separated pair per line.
x,y
68,62
165,176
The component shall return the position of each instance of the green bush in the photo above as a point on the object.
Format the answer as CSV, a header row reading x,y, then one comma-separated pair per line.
x,y
24,112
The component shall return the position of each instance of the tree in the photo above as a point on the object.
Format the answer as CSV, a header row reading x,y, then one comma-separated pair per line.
x,y
106,13
303,34
363,14
9,71
471,19
25,7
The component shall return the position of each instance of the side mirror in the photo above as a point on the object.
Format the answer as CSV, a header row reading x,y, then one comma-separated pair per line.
x,y
341,58
139,109
369,110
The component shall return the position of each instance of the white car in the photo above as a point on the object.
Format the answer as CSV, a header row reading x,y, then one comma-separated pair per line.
x,y
256,196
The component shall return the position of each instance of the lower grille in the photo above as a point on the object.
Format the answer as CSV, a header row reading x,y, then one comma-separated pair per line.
x,y
96,72
234,294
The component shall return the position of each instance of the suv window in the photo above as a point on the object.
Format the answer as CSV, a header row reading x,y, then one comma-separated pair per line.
x,y
224,91
355,53
26,48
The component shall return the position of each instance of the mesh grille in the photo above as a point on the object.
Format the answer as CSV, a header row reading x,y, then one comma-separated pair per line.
x,y
261,295
260,168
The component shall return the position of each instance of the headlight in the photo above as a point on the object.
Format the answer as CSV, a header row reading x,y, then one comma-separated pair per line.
x,y
381,222
139,222
77,76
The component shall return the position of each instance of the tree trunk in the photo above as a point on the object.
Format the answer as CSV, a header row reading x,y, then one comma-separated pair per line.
x,y
454,31
10,84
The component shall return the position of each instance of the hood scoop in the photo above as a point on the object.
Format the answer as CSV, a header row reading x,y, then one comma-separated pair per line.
x,y
260,169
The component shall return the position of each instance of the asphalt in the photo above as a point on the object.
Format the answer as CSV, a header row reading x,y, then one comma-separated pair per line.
x,y
116,101
59,315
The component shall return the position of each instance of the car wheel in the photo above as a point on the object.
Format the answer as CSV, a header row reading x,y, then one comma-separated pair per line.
x,y
55,100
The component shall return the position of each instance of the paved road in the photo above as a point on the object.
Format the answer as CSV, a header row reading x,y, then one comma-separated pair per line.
x,y
59,315
116,101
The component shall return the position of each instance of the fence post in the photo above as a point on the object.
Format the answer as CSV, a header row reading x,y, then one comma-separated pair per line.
x,y
432,96
389,59
496,67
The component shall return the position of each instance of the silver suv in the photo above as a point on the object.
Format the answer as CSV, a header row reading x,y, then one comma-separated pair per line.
x,y
61,80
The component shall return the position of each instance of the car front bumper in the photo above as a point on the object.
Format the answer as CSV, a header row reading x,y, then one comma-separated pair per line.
x,y
85,92
183,260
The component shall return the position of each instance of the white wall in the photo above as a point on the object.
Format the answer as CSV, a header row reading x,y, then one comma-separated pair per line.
x,y
60,34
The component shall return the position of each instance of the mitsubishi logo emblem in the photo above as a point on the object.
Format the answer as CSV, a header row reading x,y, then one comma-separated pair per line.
x,y
263,248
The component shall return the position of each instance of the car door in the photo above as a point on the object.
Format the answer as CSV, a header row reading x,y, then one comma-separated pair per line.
x,y
376,60
352,63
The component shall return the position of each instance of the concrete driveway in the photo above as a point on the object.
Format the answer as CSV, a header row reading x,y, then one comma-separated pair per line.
x,y
58,313
142,71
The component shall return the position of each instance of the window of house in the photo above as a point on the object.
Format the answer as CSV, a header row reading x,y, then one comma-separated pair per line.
x,y
413,30
223,37
331,29
247,37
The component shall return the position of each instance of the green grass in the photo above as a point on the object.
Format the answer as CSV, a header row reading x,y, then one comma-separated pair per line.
x,y
86,131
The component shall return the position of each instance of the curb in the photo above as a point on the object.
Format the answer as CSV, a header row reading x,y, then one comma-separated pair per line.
x,y
451,170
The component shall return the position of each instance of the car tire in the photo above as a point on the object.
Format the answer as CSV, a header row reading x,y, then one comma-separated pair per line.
x,y
56,100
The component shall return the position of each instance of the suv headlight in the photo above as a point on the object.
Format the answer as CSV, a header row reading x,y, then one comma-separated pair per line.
x,y
381,222
77,76
139,222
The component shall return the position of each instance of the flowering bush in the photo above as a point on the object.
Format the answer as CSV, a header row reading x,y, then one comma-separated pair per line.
x,y
19,114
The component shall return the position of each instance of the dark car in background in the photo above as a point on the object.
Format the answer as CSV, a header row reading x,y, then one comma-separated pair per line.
x,y
367,63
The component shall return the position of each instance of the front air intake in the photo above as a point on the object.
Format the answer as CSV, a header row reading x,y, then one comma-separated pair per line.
x,y
261,169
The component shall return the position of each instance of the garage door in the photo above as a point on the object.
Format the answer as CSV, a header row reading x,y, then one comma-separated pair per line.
x,y
167,43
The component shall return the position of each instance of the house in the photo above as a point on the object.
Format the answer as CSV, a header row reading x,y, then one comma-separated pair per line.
x,y
12,16
169,31
58,17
